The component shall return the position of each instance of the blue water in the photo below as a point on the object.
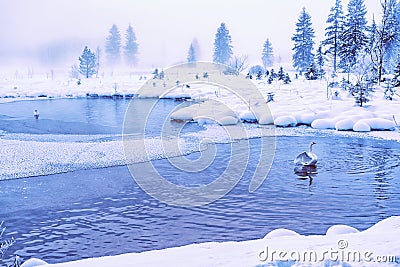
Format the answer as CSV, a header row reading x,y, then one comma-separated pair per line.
x,y
85,116
92,213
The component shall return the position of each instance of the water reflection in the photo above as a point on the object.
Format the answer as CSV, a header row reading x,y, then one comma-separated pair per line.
x,y
306,172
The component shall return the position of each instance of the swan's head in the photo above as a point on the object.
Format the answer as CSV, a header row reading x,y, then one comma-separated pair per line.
x,y
312,143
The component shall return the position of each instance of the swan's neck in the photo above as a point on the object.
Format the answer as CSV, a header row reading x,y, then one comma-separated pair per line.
x,y
311,147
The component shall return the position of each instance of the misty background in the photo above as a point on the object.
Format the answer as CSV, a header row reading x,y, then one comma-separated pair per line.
x,y
53,33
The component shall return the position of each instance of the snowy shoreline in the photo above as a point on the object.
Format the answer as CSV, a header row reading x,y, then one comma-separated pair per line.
x,y
340,246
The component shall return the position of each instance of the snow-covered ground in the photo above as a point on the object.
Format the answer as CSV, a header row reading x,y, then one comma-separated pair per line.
x,y
300,103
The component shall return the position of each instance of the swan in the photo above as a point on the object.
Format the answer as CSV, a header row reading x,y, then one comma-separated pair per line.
x,y
307,158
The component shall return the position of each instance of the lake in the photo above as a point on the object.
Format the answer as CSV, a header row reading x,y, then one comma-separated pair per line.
x,y
98,212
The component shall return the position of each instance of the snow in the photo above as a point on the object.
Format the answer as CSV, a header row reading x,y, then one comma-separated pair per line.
x,y
361,126
344,125
300,103
372,245
285,121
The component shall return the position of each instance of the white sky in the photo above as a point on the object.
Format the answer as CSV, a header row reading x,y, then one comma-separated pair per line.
x,y
164,28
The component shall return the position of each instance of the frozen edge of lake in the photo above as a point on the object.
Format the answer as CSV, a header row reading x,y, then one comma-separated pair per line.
x,y
26,155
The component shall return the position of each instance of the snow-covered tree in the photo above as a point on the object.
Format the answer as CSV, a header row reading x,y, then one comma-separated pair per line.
x,y
222,45
320,62
191,57
87,63
113,46
267,54
390,25
396,78
303,42
131,47
333,32
353,39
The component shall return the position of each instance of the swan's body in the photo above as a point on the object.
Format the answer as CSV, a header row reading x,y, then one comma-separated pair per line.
x,y
307,158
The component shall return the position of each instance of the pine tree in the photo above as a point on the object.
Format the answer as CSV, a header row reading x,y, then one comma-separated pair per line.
x,y
267,55
87,65
390,31
222,45
333,32
113,45
131,47
303,42
191,57
281,74
396,78
320,61
353,39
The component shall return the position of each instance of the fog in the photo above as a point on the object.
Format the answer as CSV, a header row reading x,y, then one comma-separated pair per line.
x,y
54,32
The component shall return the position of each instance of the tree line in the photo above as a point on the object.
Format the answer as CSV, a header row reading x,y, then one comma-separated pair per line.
x,y
350,44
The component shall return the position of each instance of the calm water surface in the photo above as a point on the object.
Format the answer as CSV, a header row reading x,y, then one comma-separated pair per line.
x,y
92,213
98,212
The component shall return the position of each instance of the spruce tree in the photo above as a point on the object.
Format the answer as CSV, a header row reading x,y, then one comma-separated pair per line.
x,y
303,42
333,32
113,46
222,45
353,39
131,47
87,63
191,57
267,55
320,62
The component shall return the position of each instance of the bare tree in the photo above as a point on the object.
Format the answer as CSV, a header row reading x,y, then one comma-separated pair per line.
x,y
237,65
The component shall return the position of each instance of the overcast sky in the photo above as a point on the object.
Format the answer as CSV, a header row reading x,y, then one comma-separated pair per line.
x,y
164,28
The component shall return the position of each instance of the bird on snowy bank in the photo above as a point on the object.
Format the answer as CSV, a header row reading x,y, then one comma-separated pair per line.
x,y
307,158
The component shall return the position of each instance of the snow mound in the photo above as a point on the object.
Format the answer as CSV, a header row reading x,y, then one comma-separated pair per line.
x,y
183,115
344,125
380,124
201,120
248,116
306,118
228,120
280,233
176,95
323,124
285,121
361,126
33,262
266,119
341,230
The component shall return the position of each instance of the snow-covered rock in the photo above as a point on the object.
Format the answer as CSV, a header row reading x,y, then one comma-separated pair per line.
x,y
344,125
33,262
228,120
323,124
281,233
266,119
183,115
248,116
285,121
341,230
361,126
380,124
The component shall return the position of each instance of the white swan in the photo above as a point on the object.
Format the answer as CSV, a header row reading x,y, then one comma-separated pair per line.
x,y
307,158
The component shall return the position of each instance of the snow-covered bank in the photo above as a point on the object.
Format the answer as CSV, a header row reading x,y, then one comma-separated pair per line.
x,y
340,246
